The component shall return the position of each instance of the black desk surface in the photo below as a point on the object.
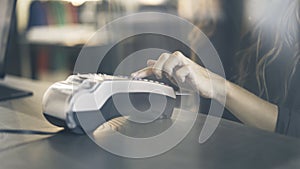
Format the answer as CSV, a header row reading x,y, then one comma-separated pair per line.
x,y
231,146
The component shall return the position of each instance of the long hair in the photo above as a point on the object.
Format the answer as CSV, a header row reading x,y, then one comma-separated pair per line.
x,y
276,31
206,14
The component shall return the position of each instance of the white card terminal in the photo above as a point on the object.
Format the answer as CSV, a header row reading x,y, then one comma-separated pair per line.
x,y
83,102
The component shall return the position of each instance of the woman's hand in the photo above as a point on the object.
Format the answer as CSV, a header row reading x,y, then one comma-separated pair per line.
x,y
249,108
177,67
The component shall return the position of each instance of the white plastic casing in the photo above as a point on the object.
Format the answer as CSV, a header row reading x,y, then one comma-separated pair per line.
x,y
89,92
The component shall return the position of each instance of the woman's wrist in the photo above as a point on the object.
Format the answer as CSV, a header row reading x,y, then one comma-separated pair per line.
x,y
221,88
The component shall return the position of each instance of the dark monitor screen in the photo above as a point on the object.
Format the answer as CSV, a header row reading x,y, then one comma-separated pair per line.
x,y
7,7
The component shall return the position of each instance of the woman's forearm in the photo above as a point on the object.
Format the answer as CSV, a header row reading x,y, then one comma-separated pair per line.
x,y
249,108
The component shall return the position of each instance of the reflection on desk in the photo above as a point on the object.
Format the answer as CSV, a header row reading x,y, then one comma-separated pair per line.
x,y
19,121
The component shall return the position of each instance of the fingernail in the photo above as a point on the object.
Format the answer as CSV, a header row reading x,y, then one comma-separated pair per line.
x,y
135,76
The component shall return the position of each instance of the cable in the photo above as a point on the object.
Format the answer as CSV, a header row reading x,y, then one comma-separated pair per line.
x,y
28,132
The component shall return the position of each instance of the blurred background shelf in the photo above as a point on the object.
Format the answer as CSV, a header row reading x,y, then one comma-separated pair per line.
x,y
68,35
52,37
51,33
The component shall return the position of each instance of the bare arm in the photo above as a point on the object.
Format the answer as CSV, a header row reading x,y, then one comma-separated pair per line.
x,y
250,109
247,107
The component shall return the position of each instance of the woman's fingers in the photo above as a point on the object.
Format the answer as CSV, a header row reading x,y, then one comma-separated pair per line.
x,y
157,68
166,65
183,73
146,71
151,62
174,61
143,73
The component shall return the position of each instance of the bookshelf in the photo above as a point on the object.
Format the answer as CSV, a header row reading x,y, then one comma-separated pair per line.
x,y
56,30
53,36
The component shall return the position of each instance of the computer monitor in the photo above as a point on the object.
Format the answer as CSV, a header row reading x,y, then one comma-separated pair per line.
x,y
7,8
